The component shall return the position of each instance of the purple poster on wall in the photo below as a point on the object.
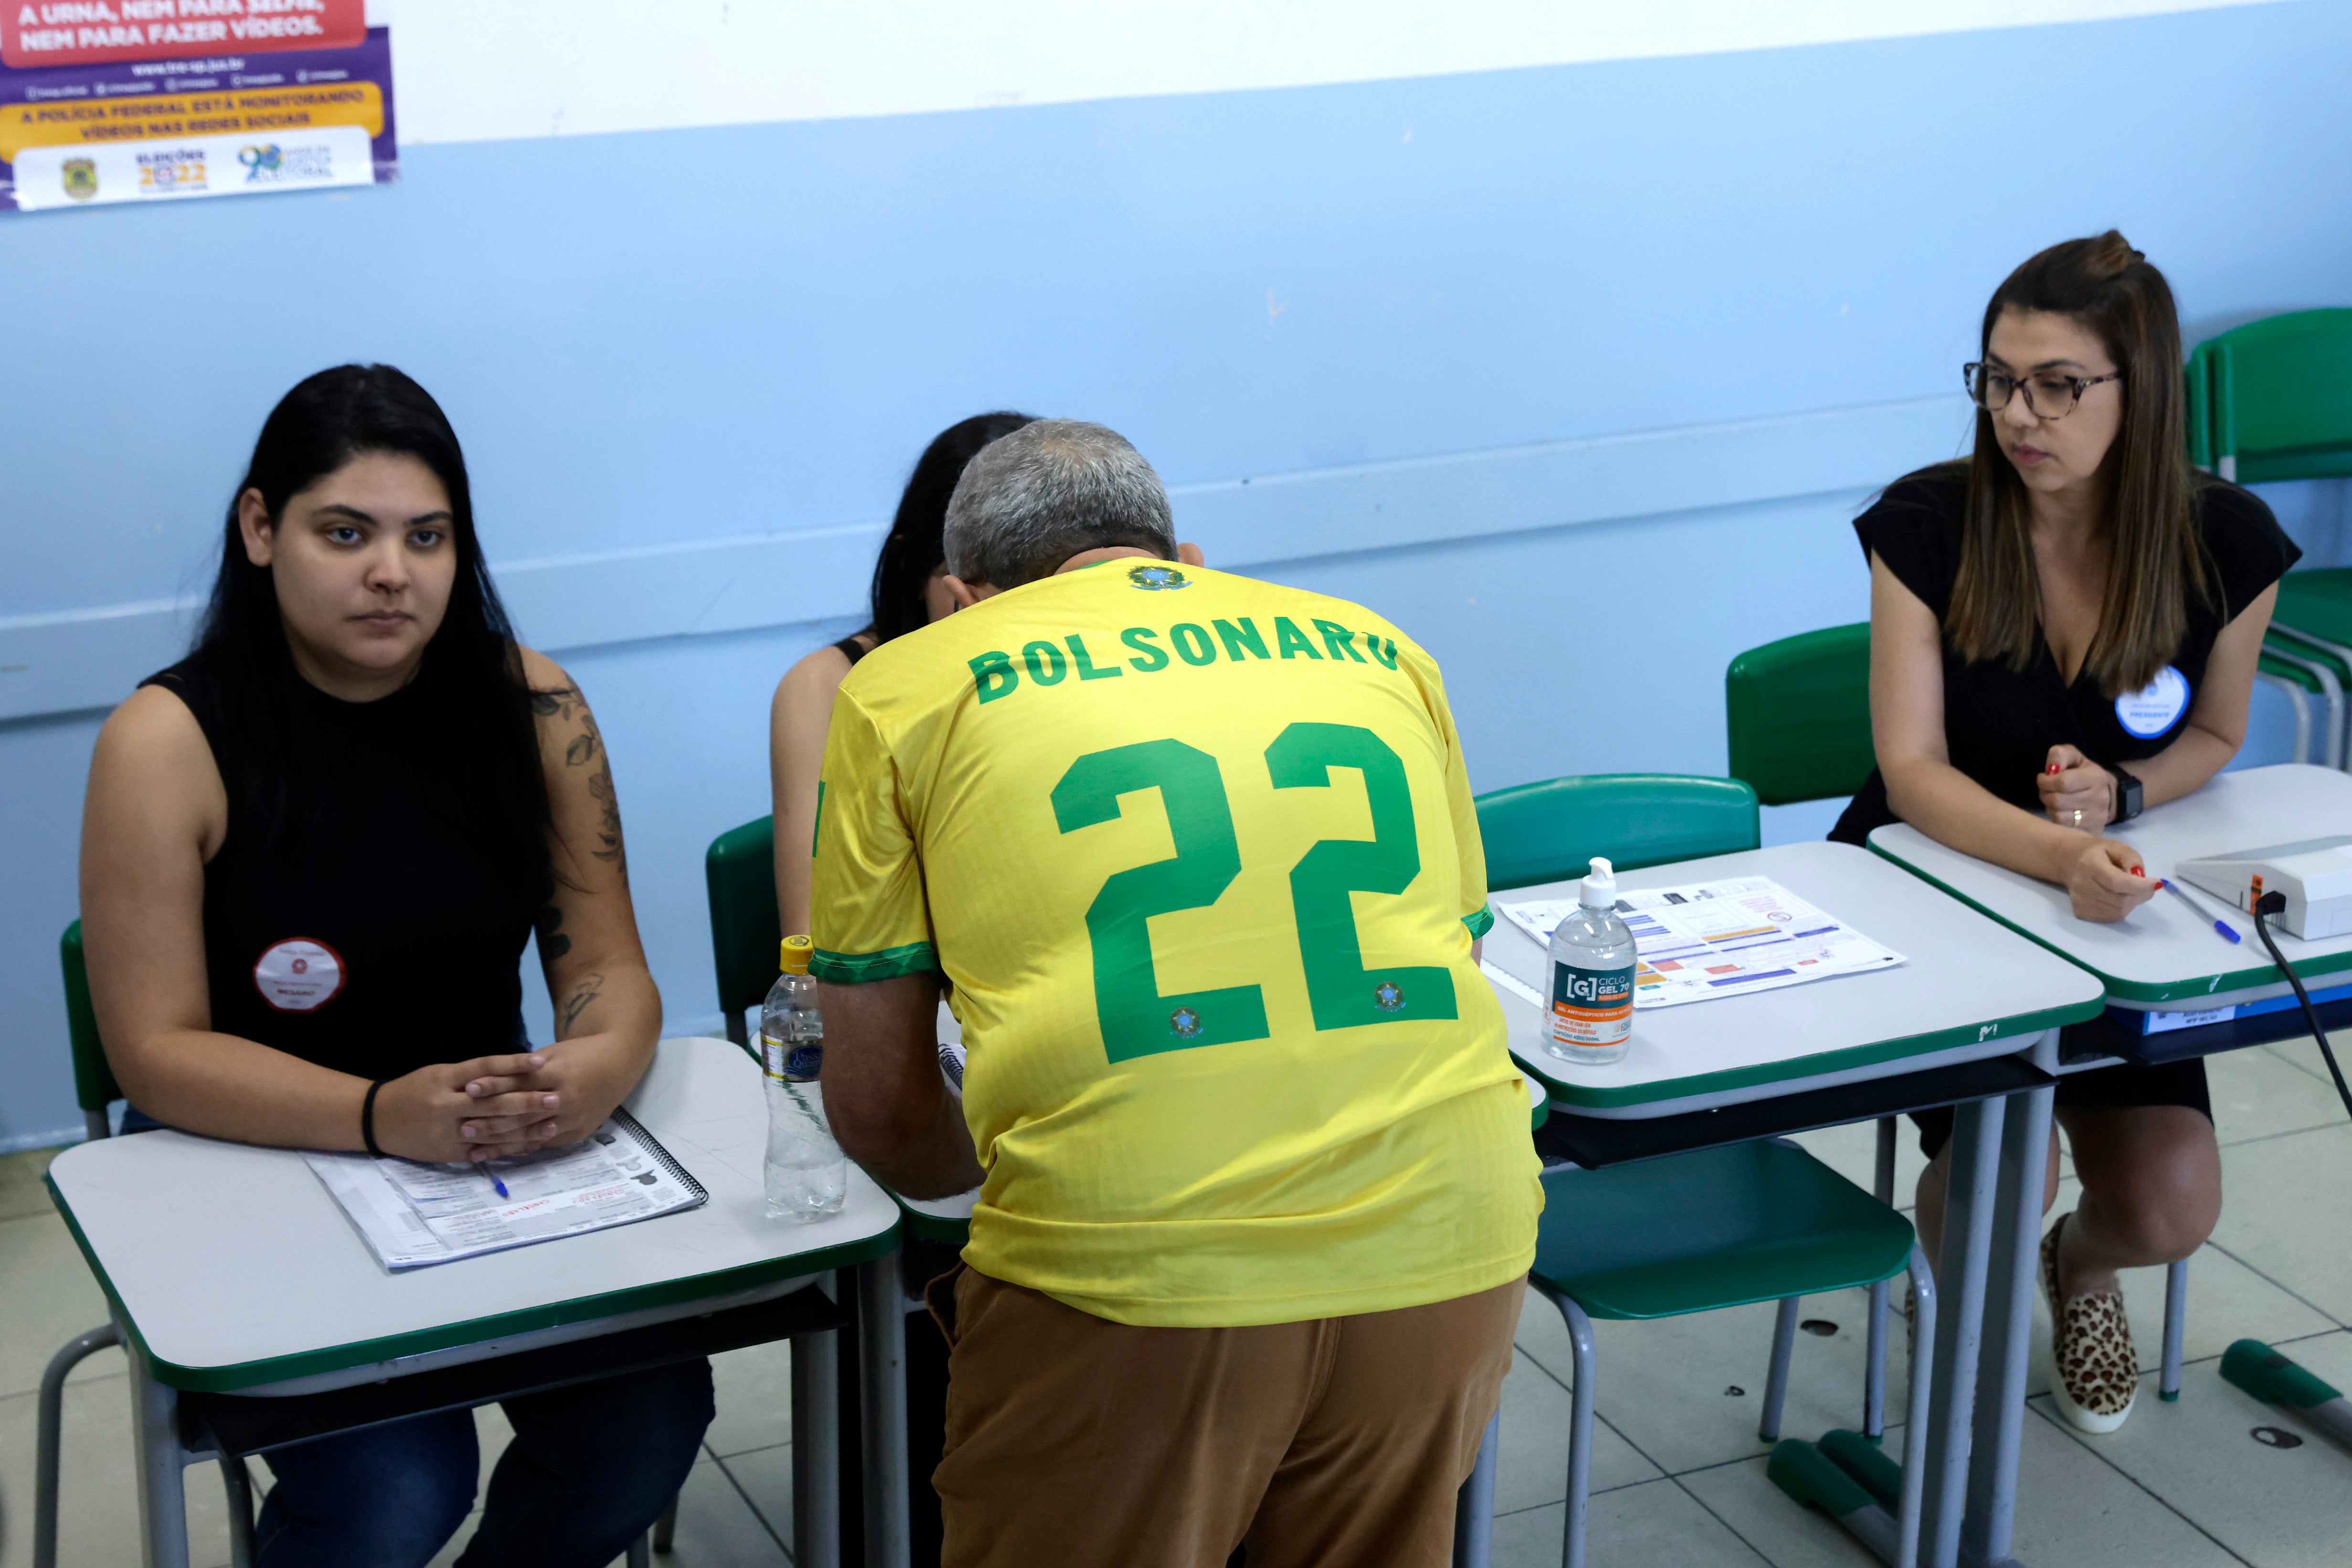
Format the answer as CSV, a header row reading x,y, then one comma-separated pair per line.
x,y
228,124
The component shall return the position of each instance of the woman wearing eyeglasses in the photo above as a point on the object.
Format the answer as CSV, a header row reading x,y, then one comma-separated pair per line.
x,y
2063,630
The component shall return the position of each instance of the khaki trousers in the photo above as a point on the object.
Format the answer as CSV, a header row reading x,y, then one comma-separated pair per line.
x,y
1075,1442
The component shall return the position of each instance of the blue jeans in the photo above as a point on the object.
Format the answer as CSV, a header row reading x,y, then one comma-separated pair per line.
x,y
590,1467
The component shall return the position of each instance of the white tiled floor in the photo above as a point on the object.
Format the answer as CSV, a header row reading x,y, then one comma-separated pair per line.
x,y
1678,1474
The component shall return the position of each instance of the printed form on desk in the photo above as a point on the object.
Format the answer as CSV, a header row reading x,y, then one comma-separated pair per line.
x,y
1719,939
413,1214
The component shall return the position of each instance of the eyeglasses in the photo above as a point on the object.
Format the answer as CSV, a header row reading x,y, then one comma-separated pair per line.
x,y
2049,396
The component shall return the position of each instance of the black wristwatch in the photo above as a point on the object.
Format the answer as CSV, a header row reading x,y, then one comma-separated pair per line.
x,y
2127,795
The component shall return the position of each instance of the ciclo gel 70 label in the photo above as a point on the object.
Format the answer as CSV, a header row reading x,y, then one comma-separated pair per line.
x,y
1592,1006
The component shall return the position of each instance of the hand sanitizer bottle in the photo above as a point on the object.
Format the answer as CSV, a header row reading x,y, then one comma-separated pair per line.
x,y
1592,961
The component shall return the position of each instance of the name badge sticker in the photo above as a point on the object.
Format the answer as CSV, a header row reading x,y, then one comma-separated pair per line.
x,y
2157,707
299,975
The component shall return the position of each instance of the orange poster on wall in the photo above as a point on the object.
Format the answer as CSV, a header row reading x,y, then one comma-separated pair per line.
x,y
238,123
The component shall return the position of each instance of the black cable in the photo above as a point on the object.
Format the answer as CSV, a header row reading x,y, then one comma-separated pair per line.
x,y
2275,903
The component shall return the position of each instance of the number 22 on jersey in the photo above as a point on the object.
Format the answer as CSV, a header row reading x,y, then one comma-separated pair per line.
x,y
1134,1018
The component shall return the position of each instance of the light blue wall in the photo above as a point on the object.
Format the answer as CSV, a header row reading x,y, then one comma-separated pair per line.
x,y
1767,266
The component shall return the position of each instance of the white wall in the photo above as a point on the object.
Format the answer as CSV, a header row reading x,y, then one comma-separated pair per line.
x,y
470,71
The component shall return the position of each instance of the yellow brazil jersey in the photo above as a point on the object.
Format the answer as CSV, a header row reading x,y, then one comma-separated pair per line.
x,y
1199,856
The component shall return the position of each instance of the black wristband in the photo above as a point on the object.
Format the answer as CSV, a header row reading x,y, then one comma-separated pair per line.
x,y
367,1118
2127,795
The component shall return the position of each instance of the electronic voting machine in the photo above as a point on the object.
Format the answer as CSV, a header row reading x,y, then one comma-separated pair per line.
x,y
2315,877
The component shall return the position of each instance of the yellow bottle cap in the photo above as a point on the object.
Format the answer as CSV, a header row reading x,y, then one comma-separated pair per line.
x,y
794,959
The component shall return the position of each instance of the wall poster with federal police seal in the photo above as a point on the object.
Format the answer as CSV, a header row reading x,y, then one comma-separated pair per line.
x,y
105,102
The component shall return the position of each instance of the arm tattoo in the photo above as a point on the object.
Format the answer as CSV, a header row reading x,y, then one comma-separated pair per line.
x,y
584,747
600,785
556,702
552,943
561,703
588,990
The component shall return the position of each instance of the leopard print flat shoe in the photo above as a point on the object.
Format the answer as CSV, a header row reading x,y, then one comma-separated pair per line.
x,y
2090,1341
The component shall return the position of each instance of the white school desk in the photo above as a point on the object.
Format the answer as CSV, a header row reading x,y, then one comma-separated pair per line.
x,y
1936,1009
1969,990
2164,955
230,1268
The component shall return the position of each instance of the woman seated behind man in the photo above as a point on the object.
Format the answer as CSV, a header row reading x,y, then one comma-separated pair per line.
x,y
2072,598
311,856
909,590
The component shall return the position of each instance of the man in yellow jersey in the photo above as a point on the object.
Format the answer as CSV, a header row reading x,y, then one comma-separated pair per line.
x,y
1196,855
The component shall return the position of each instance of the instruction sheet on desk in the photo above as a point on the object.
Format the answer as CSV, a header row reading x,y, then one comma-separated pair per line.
x,y
413,1214
1720,939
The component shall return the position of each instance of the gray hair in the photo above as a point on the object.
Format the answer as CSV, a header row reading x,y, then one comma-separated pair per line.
x,y
1031,499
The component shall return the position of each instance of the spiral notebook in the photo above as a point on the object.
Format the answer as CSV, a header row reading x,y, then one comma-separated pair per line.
x,y
414,1215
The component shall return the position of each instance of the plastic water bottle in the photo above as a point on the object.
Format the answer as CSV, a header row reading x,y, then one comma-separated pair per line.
x,y
807,1174
1592,963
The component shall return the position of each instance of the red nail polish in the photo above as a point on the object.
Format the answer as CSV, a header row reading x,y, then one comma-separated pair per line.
x,y
2055,768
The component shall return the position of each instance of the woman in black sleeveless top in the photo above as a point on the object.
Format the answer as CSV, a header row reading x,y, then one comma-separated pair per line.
x,y
312,853
2064,631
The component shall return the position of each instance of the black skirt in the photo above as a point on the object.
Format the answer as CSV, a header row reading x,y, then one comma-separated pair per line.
x,y
2171,1083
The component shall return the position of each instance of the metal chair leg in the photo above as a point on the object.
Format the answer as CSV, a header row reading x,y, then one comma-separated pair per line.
x,y
239,1483
666,1528
1474,1507
1579,1434
1914,1421
50,1434
816,1451
1776,1376
2176,1329
1874,1385
641,1554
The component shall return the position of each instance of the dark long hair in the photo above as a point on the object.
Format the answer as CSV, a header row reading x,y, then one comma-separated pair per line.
x,y
913,551
484,768
2159,556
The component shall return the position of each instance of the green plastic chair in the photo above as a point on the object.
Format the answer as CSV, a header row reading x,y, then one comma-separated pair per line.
x,y
95,1089
1549,831
2281,397
1797,714
2279,406
2199,374
2303,672
739,869
2316,607
1797,717
1715,1227
94,1086
2313,622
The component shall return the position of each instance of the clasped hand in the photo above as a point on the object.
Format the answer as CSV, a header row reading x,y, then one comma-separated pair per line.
x,y
486,1109
2106,879
2076,791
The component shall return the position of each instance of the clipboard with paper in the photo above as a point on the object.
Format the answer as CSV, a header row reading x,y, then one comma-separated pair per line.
x,y
413,1215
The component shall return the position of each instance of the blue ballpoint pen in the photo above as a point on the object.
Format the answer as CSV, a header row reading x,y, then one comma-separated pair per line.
x,y
501,1186
2182,893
